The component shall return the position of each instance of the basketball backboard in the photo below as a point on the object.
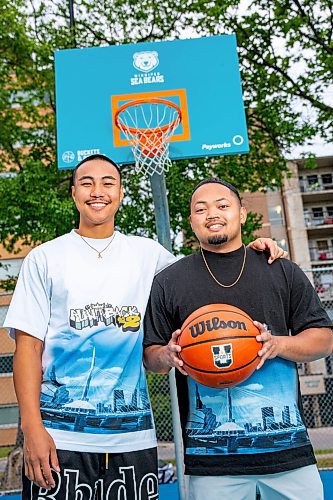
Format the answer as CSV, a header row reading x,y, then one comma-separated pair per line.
x,y
200,75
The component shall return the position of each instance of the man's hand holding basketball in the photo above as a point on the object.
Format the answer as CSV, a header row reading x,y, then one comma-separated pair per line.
x,y
271,344
171,353
308,345
160,358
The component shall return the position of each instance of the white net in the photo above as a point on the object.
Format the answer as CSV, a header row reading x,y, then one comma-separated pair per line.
x,y
148,126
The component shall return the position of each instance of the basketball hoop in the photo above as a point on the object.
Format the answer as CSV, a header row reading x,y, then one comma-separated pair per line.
x,y
148,125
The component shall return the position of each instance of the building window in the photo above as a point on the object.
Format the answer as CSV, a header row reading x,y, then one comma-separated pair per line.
x,y
321,249
8,415
329,211
6,364
283,244
322,245
312,179
318,212
327,180
276,215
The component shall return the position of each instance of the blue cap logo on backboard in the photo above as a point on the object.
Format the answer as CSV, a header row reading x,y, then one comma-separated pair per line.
x,y
68,156
145,61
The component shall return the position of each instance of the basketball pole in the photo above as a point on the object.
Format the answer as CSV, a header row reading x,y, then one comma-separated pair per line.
x,y
72,21
158,187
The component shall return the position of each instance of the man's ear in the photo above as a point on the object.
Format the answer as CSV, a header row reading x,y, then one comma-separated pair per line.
x,y
190,220
73,192
121,194
243,215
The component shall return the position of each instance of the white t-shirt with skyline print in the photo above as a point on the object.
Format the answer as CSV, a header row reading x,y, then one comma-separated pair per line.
x,y
88,311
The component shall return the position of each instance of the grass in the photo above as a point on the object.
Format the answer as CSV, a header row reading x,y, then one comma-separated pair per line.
x,y
325,462
5,450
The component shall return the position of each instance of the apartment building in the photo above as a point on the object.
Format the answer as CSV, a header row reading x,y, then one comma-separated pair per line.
x,y
300,218
308,201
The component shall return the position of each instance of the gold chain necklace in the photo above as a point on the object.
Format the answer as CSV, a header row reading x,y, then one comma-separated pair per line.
x,y
212,275
99,252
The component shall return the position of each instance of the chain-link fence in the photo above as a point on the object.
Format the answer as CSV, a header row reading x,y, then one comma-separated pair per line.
x,y
10,436
316,381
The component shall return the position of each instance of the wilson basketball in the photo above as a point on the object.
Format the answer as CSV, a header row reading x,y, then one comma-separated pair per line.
x,y
219,346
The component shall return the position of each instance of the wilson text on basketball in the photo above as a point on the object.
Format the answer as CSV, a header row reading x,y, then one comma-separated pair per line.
x,y
215,324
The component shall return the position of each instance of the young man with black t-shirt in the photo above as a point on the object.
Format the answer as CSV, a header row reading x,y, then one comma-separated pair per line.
x,y
252,436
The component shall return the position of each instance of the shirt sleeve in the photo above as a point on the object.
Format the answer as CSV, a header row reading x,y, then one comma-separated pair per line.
x,y
165,258
306,310
29,309
158,323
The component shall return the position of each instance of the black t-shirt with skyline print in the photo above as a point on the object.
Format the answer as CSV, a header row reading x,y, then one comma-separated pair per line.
x,y
257,426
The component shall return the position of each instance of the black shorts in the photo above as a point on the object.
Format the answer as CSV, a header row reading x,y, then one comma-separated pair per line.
x,y
100,476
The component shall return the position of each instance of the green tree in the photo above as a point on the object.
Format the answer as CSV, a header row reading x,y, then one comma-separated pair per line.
x,y
274,38
285,51
286,56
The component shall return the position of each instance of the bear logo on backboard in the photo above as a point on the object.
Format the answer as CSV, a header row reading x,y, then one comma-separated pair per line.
x,y
145,61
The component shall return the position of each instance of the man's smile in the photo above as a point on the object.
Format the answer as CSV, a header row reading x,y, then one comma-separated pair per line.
x,y
214,226
97,205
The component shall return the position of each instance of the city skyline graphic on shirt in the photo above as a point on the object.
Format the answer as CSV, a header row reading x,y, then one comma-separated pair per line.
x,y
95,386
257,416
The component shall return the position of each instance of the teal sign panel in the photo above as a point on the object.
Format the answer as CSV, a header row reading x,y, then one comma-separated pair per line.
x,y
199,75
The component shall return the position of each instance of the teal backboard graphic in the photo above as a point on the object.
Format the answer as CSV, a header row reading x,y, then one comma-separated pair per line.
x,y
201,76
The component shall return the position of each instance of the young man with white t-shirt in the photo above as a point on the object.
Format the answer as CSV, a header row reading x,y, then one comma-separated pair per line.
x,y
76,315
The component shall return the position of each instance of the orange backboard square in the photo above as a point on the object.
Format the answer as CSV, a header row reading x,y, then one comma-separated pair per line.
x,y
180,94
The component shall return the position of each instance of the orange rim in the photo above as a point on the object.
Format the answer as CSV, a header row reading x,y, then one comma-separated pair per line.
x,y
143,131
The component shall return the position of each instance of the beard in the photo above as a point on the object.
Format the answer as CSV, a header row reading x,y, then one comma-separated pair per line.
x,y
218,239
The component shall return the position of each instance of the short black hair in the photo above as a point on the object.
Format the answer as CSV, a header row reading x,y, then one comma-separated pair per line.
x,y
93,157
216,180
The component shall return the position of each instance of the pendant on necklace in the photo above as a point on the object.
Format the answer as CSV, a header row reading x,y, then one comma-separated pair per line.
x,y
99,255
